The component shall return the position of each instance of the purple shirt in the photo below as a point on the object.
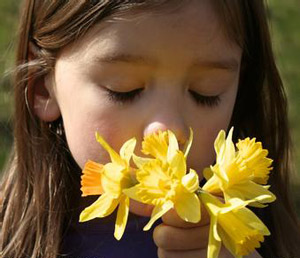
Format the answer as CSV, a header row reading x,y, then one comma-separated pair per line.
x,y
95,239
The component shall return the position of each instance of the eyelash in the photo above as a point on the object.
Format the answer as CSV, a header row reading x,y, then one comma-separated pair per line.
x,y
124,97
130,96
209,101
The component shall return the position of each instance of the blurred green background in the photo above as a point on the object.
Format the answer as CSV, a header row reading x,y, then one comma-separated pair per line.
x,y
284,21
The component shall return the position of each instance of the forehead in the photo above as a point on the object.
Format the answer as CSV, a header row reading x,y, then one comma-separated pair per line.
x,y
191,29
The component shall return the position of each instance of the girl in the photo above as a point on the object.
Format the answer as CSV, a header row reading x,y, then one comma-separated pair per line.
x,y
130,68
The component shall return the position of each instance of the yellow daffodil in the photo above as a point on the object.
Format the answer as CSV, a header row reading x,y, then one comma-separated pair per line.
x,y
232,224
163,182
113,178
157,145
236,173
253,156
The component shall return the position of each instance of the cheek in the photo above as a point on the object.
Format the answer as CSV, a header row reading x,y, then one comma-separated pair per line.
x,y
115,126
85,111
81,125
81,138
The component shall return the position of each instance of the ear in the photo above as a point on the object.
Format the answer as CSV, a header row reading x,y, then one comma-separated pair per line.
x,y
41,93
45,105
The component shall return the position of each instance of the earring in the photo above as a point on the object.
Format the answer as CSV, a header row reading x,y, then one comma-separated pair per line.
x,y
57,127
60,130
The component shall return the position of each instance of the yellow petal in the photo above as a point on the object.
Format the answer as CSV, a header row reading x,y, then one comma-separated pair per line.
x,y
115,158
250,191
102,207
221,172
225,149
145,194
140,161
211,203
112,179
249,218
219,180
237,173
127,149
178,165
158,212
207,173
173,146
188,144
214,242
191,181
156,145
255,157
219,145
239,238
237,233
229,149
91,179
132,192
233,204
188,208
241,232
156,183
122,216
151,174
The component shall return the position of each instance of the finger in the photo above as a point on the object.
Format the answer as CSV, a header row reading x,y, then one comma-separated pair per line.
x,y
171,218
199,253
173,238
140,209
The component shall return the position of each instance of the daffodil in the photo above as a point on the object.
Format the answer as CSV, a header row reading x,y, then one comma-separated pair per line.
x,y
252,155
163,182
237,173
232,224
158,145
113,178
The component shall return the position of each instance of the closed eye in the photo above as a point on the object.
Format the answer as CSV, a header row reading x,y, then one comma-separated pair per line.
x,y
130,96
210,101
124,97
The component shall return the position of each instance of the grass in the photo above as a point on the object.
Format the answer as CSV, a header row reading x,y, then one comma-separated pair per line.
x,y
285,17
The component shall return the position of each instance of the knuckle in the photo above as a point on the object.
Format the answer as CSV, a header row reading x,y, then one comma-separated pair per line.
x,y
161,253
161,237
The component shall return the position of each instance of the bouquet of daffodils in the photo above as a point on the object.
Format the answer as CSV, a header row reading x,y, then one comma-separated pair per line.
x,y
161,179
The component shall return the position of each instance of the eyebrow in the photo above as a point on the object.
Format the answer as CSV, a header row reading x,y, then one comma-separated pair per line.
x,y
225,63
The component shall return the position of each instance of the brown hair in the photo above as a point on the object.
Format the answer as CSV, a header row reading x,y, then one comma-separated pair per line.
x,y
36,201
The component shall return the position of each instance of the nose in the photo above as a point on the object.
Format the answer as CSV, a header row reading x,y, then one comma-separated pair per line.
x,y
178,128
166,111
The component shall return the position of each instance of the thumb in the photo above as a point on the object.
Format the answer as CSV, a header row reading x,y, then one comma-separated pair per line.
x,y
171,218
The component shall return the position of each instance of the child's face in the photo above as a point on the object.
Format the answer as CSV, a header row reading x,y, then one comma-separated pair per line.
x,y
170,62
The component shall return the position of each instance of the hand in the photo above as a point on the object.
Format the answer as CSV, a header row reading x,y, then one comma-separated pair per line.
x,y
176,238
140,209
